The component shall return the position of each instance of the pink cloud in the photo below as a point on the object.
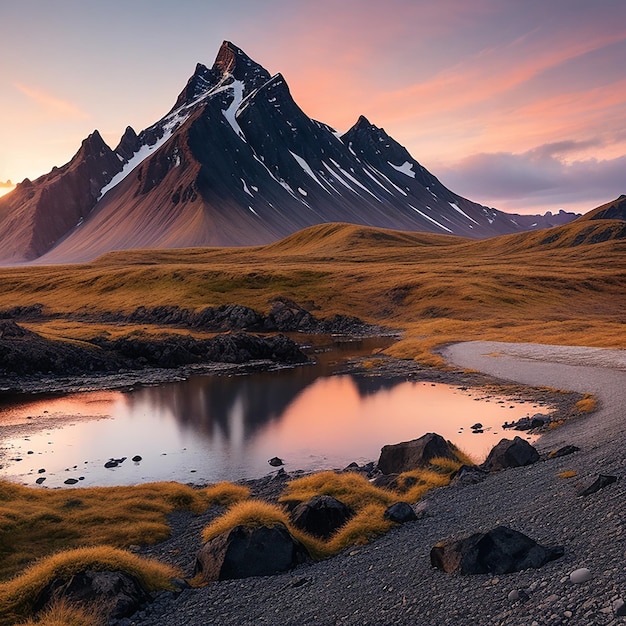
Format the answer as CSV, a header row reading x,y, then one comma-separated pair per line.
x,y
51,104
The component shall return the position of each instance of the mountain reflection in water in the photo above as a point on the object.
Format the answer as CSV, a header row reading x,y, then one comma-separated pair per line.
x,y
212,428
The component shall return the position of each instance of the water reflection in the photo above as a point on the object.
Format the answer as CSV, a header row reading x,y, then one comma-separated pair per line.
x,y
226,428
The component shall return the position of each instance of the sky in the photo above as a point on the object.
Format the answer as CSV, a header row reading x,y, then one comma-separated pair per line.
x,y
516,105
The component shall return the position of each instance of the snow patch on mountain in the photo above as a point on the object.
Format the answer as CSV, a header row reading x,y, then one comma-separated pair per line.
x,y
457,208
171,123
231,112
406,168
430,218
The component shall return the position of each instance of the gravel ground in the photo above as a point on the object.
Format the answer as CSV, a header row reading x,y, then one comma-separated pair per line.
x,y
390,580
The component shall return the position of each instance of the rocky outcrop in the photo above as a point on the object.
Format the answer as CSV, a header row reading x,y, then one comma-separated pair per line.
x,y
246,551
117,594
507,453
24,352
284,316
409,455
321,516
498,551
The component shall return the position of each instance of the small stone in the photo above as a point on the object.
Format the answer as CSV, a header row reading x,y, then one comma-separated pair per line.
x,y
41,471
111,463
40,480
70,481
513,595
619,606
136,459
581,575
276,461
568,614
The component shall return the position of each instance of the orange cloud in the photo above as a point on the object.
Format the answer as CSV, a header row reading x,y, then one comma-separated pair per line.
x,y
51,104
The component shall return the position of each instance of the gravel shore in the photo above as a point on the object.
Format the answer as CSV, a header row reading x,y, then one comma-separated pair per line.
x,y
390,581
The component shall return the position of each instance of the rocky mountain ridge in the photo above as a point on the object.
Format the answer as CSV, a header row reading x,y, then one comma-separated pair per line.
x,y
234,162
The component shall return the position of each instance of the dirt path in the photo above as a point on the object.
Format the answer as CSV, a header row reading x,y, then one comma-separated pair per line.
x,y
599,371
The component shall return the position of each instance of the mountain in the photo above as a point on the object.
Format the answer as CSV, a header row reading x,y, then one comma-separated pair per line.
x,y
234,162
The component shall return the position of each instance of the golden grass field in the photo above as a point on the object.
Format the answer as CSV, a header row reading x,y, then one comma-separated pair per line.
x,y
436,288
562,286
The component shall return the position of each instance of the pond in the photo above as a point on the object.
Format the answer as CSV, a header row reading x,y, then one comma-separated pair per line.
x,y
220,427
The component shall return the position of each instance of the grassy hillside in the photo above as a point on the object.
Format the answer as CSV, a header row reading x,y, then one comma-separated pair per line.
x,y
563,285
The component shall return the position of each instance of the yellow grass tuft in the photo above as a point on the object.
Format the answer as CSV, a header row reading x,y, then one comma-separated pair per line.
x,y
587,404
18,594
63,613
38,522
248,513
567,474
226,493
367,524
350,488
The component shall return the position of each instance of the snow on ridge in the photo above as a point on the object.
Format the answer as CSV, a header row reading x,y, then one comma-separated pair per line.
x,y
308,169
231,112
245,188
354,180
430,218
174,121
456,208
406,168
387,179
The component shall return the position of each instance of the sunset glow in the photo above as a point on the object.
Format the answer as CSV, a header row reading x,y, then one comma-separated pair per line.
x,y
520,106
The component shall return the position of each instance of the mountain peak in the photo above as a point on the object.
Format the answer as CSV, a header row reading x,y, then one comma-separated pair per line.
x,y
362,122
234,61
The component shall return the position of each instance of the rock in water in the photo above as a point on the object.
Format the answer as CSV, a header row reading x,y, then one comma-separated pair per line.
x,y
509,453
499,551
247,551
276,461
321,516
409,455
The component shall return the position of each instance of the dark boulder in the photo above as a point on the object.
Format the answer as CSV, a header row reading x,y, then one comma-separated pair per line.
x,y
247,551
321,516
498,551
400,512
468,475
117,594
601,481
409,455
386,481
564,451
507,453
276,461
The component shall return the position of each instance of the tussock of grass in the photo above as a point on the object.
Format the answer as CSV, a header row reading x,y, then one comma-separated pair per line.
x,y
350,488
587,404
367,524
38,522
18,594
62,613
248,513
567,474
226,493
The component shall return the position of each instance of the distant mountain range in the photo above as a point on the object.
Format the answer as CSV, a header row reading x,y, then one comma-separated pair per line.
x,y
235,162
